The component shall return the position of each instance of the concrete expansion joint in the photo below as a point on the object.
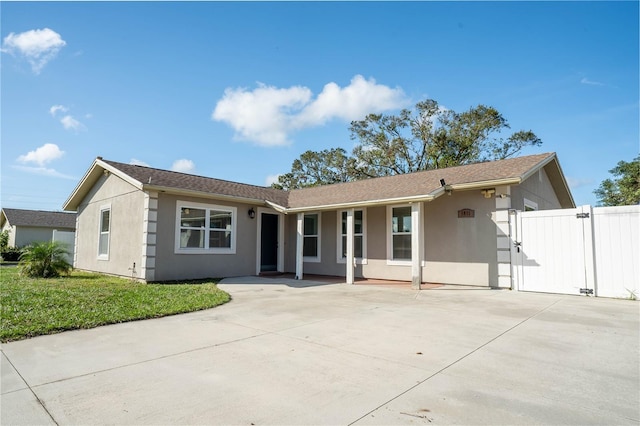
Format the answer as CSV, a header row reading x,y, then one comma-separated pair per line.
x,y
28,386
443,369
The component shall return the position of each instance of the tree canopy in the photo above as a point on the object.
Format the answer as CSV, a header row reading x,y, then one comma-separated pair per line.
x,y
423,138
624,189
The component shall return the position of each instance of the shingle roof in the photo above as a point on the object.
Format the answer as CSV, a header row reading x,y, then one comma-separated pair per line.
x,y
414,184
164,178
39,218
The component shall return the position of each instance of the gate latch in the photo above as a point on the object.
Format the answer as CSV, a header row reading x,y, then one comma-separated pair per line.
x,y
586,291
582,215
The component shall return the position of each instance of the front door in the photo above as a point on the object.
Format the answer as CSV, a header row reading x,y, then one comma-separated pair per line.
x,y
269,243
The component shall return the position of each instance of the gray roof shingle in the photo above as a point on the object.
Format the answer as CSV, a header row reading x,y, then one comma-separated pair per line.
x,y
417,184
40,218
176,180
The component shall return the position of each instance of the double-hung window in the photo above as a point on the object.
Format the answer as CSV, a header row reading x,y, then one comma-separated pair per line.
x,y
359,244
400,233
311,234
104,231
203,228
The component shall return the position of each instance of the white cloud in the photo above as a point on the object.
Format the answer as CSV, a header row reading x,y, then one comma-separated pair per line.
x,y
585,80
262,115
43,171
42,155
353,102
70,123
57,108
37,46
575,183
136,162
183,166
271,179
268,115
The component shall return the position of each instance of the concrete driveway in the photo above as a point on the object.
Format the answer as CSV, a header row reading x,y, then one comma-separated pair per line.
x,y
287,352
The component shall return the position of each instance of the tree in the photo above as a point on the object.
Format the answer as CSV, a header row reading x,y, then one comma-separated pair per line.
x,y
317,168
428,137
44,260
625,189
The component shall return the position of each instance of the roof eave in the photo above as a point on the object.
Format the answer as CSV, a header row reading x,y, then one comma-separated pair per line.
x,y
202,194
378,202
485,184
89,179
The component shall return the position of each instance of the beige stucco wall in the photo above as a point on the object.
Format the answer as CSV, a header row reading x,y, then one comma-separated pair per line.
x,y
456,251
172,266
536,188
460,250
125,228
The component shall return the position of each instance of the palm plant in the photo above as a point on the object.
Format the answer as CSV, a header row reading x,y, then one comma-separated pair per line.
x,y
44,260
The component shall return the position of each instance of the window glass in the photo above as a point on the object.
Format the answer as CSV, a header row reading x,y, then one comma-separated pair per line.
x,y
204,228
104,226
220,220
311,224
311,236
358,231
191,238
103,238
401,233
193,218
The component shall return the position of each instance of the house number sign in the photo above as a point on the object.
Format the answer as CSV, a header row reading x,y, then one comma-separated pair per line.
x,y
466,213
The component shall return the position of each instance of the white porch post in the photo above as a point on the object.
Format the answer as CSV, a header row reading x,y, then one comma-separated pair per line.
x,y
299,245
350,249
416,245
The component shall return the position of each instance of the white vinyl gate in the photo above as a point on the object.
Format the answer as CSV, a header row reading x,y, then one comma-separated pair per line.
x,y
577,251
68,238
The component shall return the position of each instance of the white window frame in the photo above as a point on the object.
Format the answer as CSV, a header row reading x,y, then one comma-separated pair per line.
x,y
208,208
390,233
530,206
359,260
104,208
313,259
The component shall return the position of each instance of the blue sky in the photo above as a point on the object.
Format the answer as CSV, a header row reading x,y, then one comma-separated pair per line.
x,y
238,90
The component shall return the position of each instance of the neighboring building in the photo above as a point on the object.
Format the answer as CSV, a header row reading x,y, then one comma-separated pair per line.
x,y
444,226
31,226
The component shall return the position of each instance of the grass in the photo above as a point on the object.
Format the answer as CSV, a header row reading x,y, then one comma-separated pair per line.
x,y
34,306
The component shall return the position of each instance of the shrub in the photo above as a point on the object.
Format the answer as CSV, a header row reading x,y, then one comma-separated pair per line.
x,y
46,260
11,254
4,240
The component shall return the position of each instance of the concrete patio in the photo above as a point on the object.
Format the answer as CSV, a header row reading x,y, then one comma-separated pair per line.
x,y
311,352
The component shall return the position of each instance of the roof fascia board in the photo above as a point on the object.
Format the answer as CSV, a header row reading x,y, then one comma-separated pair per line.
x,y
80,191
276,207
199,194
386,201
485,183
122,175
537,167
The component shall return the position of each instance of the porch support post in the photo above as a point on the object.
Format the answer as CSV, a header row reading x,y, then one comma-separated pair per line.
x,y
299,245
350,261
416,245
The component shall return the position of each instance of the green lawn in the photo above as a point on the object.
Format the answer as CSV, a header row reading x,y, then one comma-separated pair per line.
x,y
33,307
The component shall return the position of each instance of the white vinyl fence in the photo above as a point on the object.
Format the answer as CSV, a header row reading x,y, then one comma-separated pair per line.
x,y
585,250
68,238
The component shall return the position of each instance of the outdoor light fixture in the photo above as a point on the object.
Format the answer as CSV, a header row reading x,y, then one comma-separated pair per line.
x,y
488,193
447,188
252,213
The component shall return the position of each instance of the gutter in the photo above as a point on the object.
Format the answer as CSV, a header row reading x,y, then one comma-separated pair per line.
x,y
199,194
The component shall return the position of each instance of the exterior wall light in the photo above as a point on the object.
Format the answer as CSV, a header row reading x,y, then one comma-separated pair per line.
x,y
252,213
